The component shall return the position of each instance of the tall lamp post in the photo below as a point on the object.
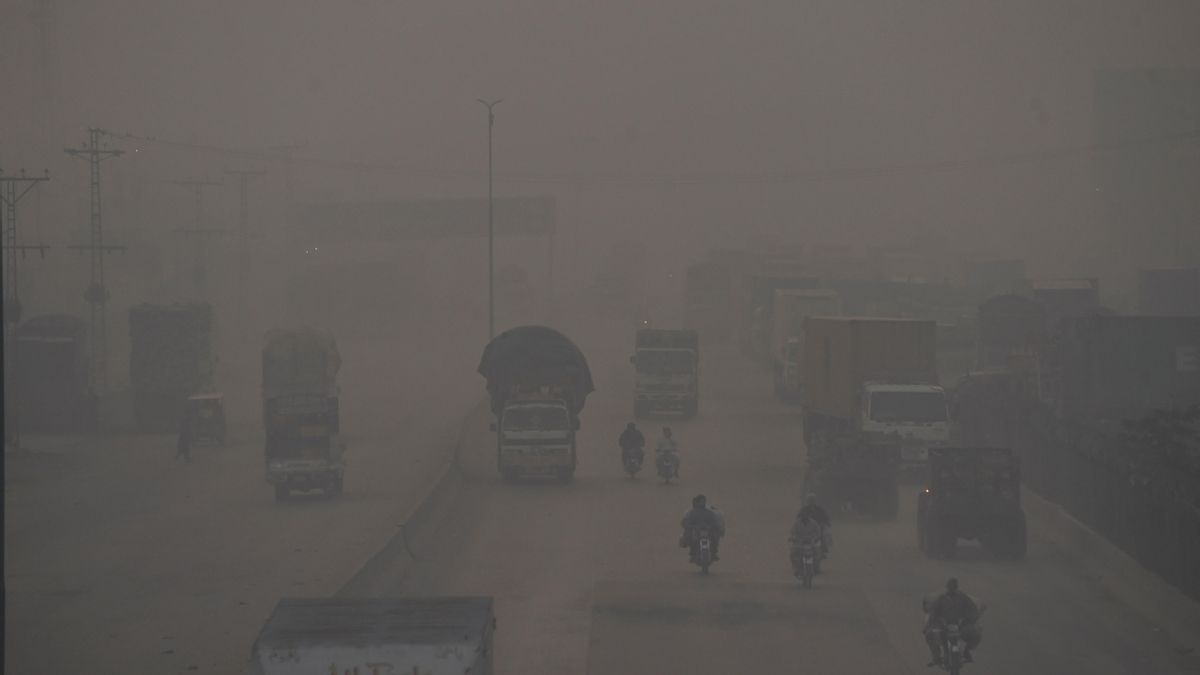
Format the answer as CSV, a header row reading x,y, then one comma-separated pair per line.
x,y
490,105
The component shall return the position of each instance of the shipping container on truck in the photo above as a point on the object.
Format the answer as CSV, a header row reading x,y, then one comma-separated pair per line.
x,y
792,306
429,636
872,398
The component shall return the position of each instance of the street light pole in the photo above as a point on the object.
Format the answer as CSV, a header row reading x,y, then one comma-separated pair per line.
x,y
490,105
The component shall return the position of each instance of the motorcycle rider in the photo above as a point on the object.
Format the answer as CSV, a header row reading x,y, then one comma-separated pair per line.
x,y
701,516
818,513
665,449
953,606
632,442
804,528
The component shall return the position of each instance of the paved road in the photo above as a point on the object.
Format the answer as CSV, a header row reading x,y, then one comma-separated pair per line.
x,y
120,559
593,568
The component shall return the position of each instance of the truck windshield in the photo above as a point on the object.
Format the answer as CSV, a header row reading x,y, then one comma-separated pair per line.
x,y
665,362
908,406
535,418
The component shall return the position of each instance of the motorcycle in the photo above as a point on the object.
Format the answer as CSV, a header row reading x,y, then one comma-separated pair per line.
x,y
702,550
805,558
953,646
632,460
668,466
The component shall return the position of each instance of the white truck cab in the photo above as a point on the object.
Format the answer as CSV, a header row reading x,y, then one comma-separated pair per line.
x,y
537,436
917,413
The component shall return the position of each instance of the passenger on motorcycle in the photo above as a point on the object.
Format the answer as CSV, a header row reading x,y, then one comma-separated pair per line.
x,y
953,606
804,528
631,441
818,513
702,516
665,449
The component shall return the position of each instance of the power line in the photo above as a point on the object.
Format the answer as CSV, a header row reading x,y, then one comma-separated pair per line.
x,y
768,177
97,294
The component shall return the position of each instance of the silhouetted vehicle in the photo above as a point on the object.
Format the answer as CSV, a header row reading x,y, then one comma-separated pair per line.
x,y
205,413
972,493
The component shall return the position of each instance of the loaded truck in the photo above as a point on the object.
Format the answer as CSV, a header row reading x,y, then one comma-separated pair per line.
x,y
787,334
50,375
301,412
872,402
342,636
170,359
667,371
972,493
538,381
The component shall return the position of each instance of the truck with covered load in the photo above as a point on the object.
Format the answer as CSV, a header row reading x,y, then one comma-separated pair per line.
x,y
301,412
538,381
787,334
667,371
170,359
872,401
430,636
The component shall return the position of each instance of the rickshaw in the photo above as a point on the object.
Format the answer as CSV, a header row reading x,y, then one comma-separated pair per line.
x,y
206,417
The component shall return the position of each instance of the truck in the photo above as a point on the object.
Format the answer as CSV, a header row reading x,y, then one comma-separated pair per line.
x,y
667,371
50,367
538,382
871,403
787,334
757,302
170,359
972,493
377,636
300,407
1169,292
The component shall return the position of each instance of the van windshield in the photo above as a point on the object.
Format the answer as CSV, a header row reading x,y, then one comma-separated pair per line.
x,y
536,418
908,406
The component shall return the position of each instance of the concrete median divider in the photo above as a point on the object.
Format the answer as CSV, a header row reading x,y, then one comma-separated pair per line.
x,y
405,547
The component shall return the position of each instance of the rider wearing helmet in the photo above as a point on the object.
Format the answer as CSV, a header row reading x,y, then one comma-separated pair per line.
x,y
702,516
816,512
631,441
953,606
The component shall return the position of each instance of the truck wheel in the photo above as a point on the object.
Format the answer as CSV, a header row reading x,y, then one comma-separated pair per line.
x,y
282,493
335,485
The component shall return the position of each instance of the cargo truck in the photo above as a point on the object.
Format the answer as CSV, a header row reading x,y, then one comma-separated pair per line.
x,y
708,300
757,299
872,402
787,334
50,375
538,381
300,398
667,371
341,636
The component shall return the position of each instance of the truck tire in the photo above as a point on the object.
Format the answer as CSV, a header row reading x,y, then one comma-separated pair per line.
x,y
282,493
335,485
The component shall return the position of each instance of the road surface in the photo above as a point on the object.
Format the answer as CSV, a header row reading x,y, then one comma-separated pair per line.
x,y
121,559
588,577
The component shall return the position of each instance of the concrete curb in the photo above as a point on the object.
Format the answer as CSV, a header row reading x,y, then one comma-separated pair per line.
x,y
1115,571
400,551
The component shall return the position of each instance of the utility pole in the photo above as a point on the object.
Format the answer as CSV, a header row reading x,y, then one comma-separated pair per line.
x,y
244,232
198,230
96,294
12,189
491,105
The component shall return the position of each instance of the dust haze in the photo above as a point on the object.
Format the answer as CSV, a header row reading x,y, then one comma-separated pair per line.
x,y
281,165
